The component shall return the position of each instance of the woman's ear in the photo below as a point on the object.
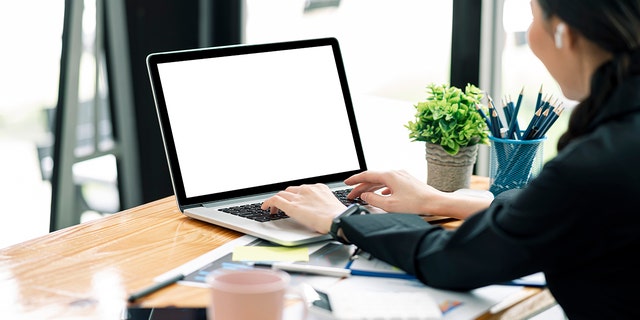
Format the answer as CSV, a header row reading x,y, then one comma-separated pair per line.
x,y
558,34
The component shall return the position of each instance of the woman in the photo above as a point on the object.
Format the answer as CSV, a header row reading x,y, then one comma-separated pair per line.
x,y
578,221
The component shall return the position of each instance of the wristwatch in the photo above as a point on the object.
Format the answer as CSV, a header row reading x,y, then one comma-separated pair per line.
x,y
337,221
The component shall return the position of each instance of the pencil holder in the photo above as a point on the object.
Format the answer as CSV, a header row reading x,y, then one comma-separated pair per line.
x,y
513,163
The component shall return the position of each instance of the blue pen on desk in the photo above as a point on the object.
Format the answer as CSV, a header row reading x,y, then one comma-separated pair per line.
x,y
353,257
335,272
322,271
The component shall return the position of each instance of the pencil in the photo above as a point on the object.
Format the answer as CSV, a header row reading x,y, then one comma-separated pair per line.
x,y
543,122
539,100
513,123
495,119
496,124
514,127
519,102
535,129
544,105
508,116
484,116
533,121
507,107
492,121
552,119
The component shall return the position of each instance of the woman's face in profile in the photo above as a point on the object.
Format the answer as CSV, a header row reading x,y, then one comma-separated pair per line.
x,y
541,42
564,60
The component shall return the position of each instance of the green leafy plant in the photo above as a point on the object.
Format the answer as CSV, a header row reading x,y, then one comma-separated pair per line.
x,y
448,117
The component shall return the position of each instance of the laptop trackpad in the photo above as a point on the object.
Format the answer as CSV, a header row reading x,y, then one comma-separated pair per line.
x,y
286,224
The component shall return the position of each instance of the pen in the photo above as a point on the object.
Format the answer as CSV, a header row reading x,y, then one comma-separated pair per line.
x,y
331,271
353,257
153,288
309,269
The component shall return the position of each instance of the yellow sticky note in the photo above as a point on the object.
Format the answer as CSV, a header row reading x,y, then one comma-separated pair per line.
x,y
265,253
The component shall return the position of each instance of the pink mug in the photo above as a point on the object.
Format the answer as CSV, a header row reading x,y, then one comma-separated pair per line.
x,y
248,294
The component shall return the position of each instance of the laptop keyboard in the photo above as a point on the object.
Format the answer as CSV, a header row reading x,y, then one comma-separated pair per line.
x,y
254,212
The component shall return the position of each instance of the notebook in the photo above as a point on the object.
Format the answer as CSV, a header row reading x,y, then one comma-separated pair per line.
x,y
240,123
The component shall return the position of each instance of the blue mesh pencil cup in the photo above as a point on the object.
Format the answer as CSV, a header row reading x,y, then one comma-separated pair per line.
x,y
513,163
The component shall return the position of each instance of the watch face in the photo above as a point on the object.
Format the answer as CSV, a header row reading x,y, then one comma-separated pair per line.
x,y
350,210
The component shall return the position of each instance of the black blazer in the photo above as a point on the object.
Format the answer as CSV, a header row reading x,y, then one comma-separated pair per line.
x,y
578,222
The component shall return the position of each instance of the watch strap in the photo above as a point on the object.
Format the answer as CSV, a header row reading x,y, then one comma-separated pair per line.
x,y
337,221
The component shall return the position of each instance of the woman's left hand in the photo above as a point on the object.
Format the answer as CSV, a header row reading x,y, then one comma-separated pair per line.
x,y
314,205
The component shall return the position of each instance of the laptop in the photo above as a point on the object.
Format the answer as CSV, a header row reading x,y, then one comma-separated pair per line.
x,y
240,123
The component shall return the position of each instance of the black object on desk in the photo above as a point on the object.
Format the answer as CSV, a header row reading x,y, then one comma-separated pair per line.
x,y
165,313
151,289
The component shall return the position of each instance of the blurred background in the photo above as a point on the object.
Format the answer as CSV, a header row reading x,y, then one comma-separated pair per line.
x,y
74,92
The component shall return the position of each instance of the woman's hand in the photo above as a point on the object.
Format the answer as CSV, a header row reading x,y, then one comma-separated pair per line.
x,y
314,206
398,191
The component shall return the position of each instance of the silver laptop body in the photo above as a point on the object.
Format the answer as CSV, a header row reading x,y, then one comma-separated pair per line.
x,y
240,123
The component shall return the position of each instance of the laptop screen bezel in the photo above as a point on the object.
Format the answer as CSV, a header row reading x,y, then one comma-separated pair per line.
x,y
184,202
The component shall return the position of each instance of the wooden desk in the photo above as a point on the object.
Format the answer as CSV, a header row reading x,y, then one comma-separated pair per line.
x,y
87,271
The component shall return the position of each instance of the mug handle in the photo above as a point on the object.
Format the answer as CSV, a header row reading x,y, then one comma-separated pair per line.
x,y
296,296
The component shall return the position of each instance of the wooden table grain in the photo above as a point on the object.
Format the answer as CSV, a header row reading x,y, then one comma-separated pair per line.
x,y
87,271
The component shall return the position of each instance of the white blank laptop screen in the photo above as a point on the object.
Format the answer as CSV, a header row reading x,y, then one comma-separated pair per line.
x,y
235,128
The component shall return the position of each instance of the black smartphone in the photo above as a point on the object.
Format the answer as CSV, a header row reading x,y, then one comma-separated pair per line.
x,y
164,313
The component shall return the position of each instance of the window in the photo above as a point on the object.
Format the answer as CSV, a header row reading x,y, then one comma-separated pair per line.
x,y
30,62
391,50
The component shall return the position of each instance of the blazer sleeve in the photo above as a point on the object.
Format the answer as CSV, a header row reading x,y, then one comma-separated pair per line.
x,y
478,253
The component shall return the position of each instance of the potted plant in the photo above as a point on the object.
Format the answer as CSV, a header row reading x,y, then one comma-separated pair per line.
x,y
449,123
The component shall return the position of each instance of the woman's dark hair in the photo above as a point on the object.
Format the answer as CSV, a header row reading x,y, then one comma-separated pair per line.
x,y
614,25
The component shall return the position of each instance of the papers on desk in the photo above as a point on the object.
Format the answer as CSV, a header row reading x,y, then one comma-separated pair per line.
x,y
451,304
365,304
